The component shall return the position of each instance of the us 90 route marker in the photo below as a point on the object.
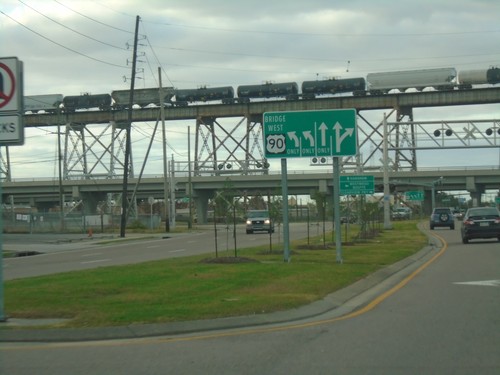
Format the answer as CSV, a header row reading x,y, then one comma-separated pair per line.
x,y
310,133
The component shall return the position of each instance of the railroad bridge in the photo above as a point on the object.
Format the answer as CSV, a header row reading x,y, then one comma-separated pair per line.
x,y
87,158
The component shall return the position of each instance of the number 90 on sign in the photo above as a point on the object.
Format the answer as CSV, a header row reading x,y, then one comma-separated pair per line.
x,y
276,144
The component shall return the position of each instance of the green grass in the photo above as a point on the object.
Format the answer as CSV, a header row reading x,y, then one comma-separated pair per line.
x,y
188,288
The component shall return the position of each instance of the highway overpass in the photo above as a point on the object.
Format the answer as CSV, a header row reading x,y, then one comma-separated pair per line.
x,y
44,194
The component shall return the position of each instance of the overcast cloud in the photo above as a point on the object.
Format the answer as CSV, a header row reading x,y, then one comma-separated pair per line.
x,y
72,47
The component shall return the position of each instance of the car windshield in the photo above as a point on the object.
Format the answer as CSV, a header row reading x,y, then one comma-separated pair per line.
x,y
483,212
442,211
252,214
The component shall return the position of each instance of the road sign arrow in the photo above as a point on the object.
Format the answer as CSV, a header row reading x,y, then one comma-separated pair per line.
x,y
293,137
308,136
323,128
339,138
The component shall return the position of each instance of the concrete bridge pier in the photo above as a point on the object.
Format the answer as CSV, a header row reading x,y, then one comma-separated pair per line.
x,y
201,200
476,198
90,201
475,190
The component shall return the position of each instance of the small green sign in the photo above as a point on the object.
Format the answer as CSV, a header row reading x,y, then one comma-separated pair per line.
x,y
310,133
357,185
416,195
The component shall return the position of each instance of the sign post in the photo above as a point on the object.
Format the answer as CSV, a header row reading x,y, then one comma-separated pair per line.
x,y
312,134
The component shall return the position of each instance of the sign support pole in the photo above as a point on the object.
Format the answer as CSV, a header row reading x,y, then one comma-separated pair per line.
x,y
336,209
2,313
284,192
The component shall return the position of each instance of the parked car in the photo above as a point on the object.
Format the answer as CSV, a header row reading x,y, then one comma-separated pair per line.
x,y
442,217
259,221
481,222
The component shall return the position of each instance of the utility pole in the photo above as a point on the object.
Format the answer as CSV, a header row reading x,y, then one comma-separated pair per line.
x,y
165,163
123,223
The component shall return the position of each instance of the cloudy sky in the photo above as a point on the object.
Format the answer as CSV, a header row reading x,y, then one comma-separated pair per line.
x,y
71,47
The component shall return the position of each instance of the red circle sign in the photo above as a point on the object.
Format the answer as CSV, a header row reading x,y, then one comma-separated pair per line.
x,y
6,97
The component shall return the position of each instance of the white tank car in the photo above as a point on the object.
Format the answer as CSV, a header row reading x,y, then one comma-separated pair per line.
x,y
47,103
142,97
439,79
467,78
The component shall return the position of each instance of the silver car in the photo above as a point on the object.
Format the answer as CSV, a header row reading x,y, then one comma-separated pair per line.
x,y
259,221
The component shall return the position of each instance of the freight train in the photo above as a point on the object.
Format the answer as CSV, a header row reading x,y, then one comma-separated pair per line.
x,y
374,84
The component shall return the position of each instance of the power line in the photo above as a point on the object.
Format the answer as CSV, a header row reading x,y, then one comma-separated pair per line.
x,y
61,45
315,59
303,33
157,60
343,35
73,30
93,19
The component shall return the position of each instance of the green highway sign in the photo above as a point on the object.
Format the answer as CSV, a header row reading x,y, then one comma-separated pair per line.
x,y
310,133
357,184
414,195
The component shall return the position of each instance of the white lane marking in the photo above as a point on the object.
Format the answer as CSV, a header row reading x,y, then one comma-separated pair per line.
x,y
481,283
90,255
96,261
177,251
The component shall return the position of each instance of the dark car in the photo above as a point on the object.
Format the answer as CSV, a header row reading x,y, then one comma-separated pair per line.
x,y
481,222
442,217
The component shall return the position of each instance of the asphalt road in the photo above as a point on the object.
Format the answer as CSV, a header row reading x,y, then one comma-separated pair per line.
x,y
71,252
442,319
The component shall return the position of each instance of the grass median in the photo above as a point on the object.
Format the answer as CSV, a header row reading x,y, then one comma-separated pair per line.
x,y
190,288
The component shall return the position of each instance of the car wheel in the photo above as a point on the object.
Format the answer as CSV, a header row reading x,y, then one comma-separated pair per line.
x,y
465,240
452,227
432,227
443,217
249,232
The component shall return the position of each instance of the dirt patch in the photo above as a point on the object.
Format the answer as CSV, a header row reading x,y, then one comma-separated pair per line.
x,y
328,246
26,253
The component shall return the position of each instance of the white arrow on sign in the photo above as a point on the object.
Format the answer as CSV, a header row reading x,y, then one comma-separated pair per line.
x,y
481,283
293,137
323,128
308,136
340,138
